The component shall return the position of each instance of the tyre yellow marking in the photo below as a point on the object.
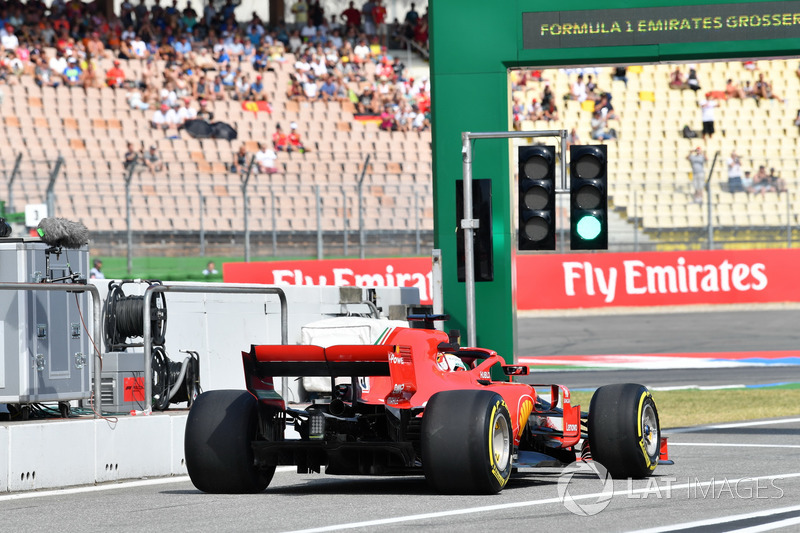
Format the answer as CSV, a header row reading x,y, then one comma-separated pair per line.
x,y
492,455
649,464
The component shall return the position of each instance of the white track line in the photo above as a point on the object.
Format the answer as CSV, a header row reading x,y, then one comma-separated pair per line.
x,y
728,445
732,425
109,486
771,526
728,519
516,505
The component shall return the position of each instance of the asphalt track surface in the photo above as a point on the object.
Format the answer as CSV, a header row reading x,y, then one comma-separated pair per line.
x,y
719,332
724,478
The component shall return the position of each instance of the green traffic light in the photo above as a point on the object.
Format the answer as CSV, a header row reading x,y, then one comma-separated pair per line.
x,y
588,228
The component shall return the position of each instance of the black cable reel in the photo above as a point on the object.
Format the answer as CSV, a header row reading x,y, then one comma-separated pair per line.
x,y
124,317
173,381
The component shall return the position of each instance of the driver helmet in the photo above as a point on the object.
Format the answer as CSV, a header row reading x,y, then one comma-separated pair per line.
x,y
450,363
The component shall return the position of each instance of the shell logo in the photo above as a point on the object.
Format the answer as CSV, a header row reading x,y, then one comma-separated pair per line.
x,y
524,412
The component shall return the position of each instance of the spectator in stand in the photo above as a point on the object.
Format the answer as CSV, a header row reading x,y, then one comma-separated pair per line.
x,y
763,89
94,46
550,112
366,17
73,73
735,173
137,100
300,12
517,114
591,89
240,162
606,108
279,139
410,21
328,90
535,111
218,89
185,112
241,86
361,52
294,144
132,156
733,90
599,127
698,161
205,113
578,89
352,17
256,91
691,80
620,74
797,121
295,91
707,111
309,31
676,79
573,138
8,38
182,46
420,121
368,102
266,159
379,18
153,160
89,76
310,89
173,116
776,182
387,119
115,77
761,181
159,119
43,74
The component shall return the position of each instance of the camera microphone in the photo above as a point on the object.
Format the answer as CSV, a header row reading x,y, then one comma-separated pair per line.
x,y
60,232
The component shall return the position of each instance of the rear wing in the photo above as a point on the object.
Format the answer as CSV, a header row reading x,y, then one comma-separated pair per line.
x,y
308,360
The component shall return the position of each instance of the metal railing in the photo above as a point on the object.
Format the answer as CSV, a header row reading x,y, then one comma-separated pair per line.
x,y
321,216
202,289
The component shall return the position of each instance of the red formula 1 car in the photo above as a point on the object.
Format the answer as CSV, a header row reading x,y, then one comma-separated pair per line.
x,y
416,404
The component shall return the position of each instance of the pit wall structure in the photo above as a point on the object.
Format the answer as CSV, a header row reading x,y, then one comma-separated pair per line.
x,y
58,453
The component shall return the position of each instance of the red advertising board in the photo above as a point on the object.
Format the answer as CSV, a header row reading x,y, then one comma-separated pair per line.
x,y
394,272
568,281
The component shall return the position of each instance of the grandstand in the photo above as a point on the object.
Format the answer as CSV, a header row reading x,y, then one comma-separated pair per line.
x,y
649,159
90,129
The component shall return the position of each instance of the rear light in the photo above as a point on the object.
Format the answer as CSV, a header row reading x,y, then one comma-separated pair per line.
x,y
316,426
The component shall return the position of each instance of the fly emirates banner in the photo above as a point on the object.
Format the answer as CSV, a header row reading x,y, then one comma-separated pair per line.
x,y
566,281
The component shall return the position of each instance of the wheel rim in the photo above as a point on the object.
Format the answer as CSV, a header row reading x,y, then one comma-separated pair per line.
x,y
650,429
500,442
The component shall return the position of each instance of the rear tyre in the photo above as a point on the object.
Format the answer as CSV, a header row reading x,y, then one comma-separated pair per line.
x,y
467,442
220,428
624,432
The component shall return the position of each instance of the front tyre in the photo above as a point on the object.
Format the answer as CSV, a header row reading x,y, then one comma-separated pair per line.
x,y
467,442
624,432
220,428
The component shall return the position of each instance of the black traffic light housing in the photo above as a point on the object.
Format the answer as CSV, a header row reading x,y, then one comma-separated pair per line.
x,y
588,195
481,237
537,198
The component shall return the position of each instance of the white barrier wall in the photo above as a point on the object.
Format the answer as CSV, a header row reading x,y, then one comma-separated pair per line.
x,y
58,453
